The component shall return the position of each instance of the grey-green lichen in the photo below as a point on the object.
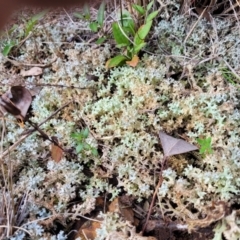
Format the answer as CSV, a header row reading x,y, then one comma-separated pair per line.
x,y
125,109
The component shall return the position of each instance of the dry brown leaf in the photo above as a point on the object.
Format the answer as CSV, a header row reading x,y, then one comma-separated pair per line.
x,y
56,151
114,206
125,205
100,202
134,61
34,71
126,211
107,64
88,230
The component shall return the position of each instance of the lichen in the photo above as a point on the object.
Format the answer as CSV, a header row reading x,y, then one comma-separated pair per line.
x,y
124,110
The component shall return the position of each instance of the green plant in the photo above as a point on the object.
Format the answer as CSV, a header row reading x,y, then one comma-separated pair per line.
x,y
230,77
21,37
82,145
94,25
129,37
32,22
205,145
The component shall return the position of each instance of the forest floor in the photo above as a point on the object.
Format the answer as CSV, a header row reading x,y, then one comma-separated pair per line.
x,y
151,143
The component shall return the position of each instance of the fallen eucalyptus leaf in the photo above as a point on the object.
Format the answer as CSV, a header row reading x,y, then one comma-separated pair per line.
x,y
172,146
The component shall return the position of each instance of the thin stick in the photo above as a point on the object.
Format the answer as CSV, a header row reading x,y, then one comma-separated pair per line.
x,y
68,15
20,228
155,193
52,85
54,113
194,25
30,131
44,135
19,64
59,85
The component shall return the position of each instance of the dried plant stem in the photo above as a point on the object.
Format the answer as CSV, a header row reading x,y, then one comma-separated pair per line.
x,y
7,199
3,133
70,18
19,64
20,228
44,135
59,85
194,25
155,192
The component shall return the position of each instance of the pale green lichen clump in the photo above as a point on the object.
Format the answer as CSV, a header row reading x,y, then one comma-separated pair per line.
x,y
125,110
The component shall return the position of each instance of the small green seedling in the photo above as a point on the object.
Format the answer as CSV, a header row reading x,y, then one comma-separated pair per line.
x,y
94,25
8,45
32,22
82,145
205,145
231,77
85,15
129,37
28,28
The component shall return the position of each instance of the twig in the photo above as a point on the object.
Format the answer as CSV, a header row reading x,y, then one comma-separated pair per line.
x,y
51,85
18,64
85,235
30,131
194,25
59,85
20,228
54,113
155,193
44,135
68,15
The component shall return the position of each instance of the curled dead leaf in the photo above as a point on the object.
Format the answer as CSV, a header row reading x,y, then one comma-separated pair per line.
x,y
133,62
16,101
